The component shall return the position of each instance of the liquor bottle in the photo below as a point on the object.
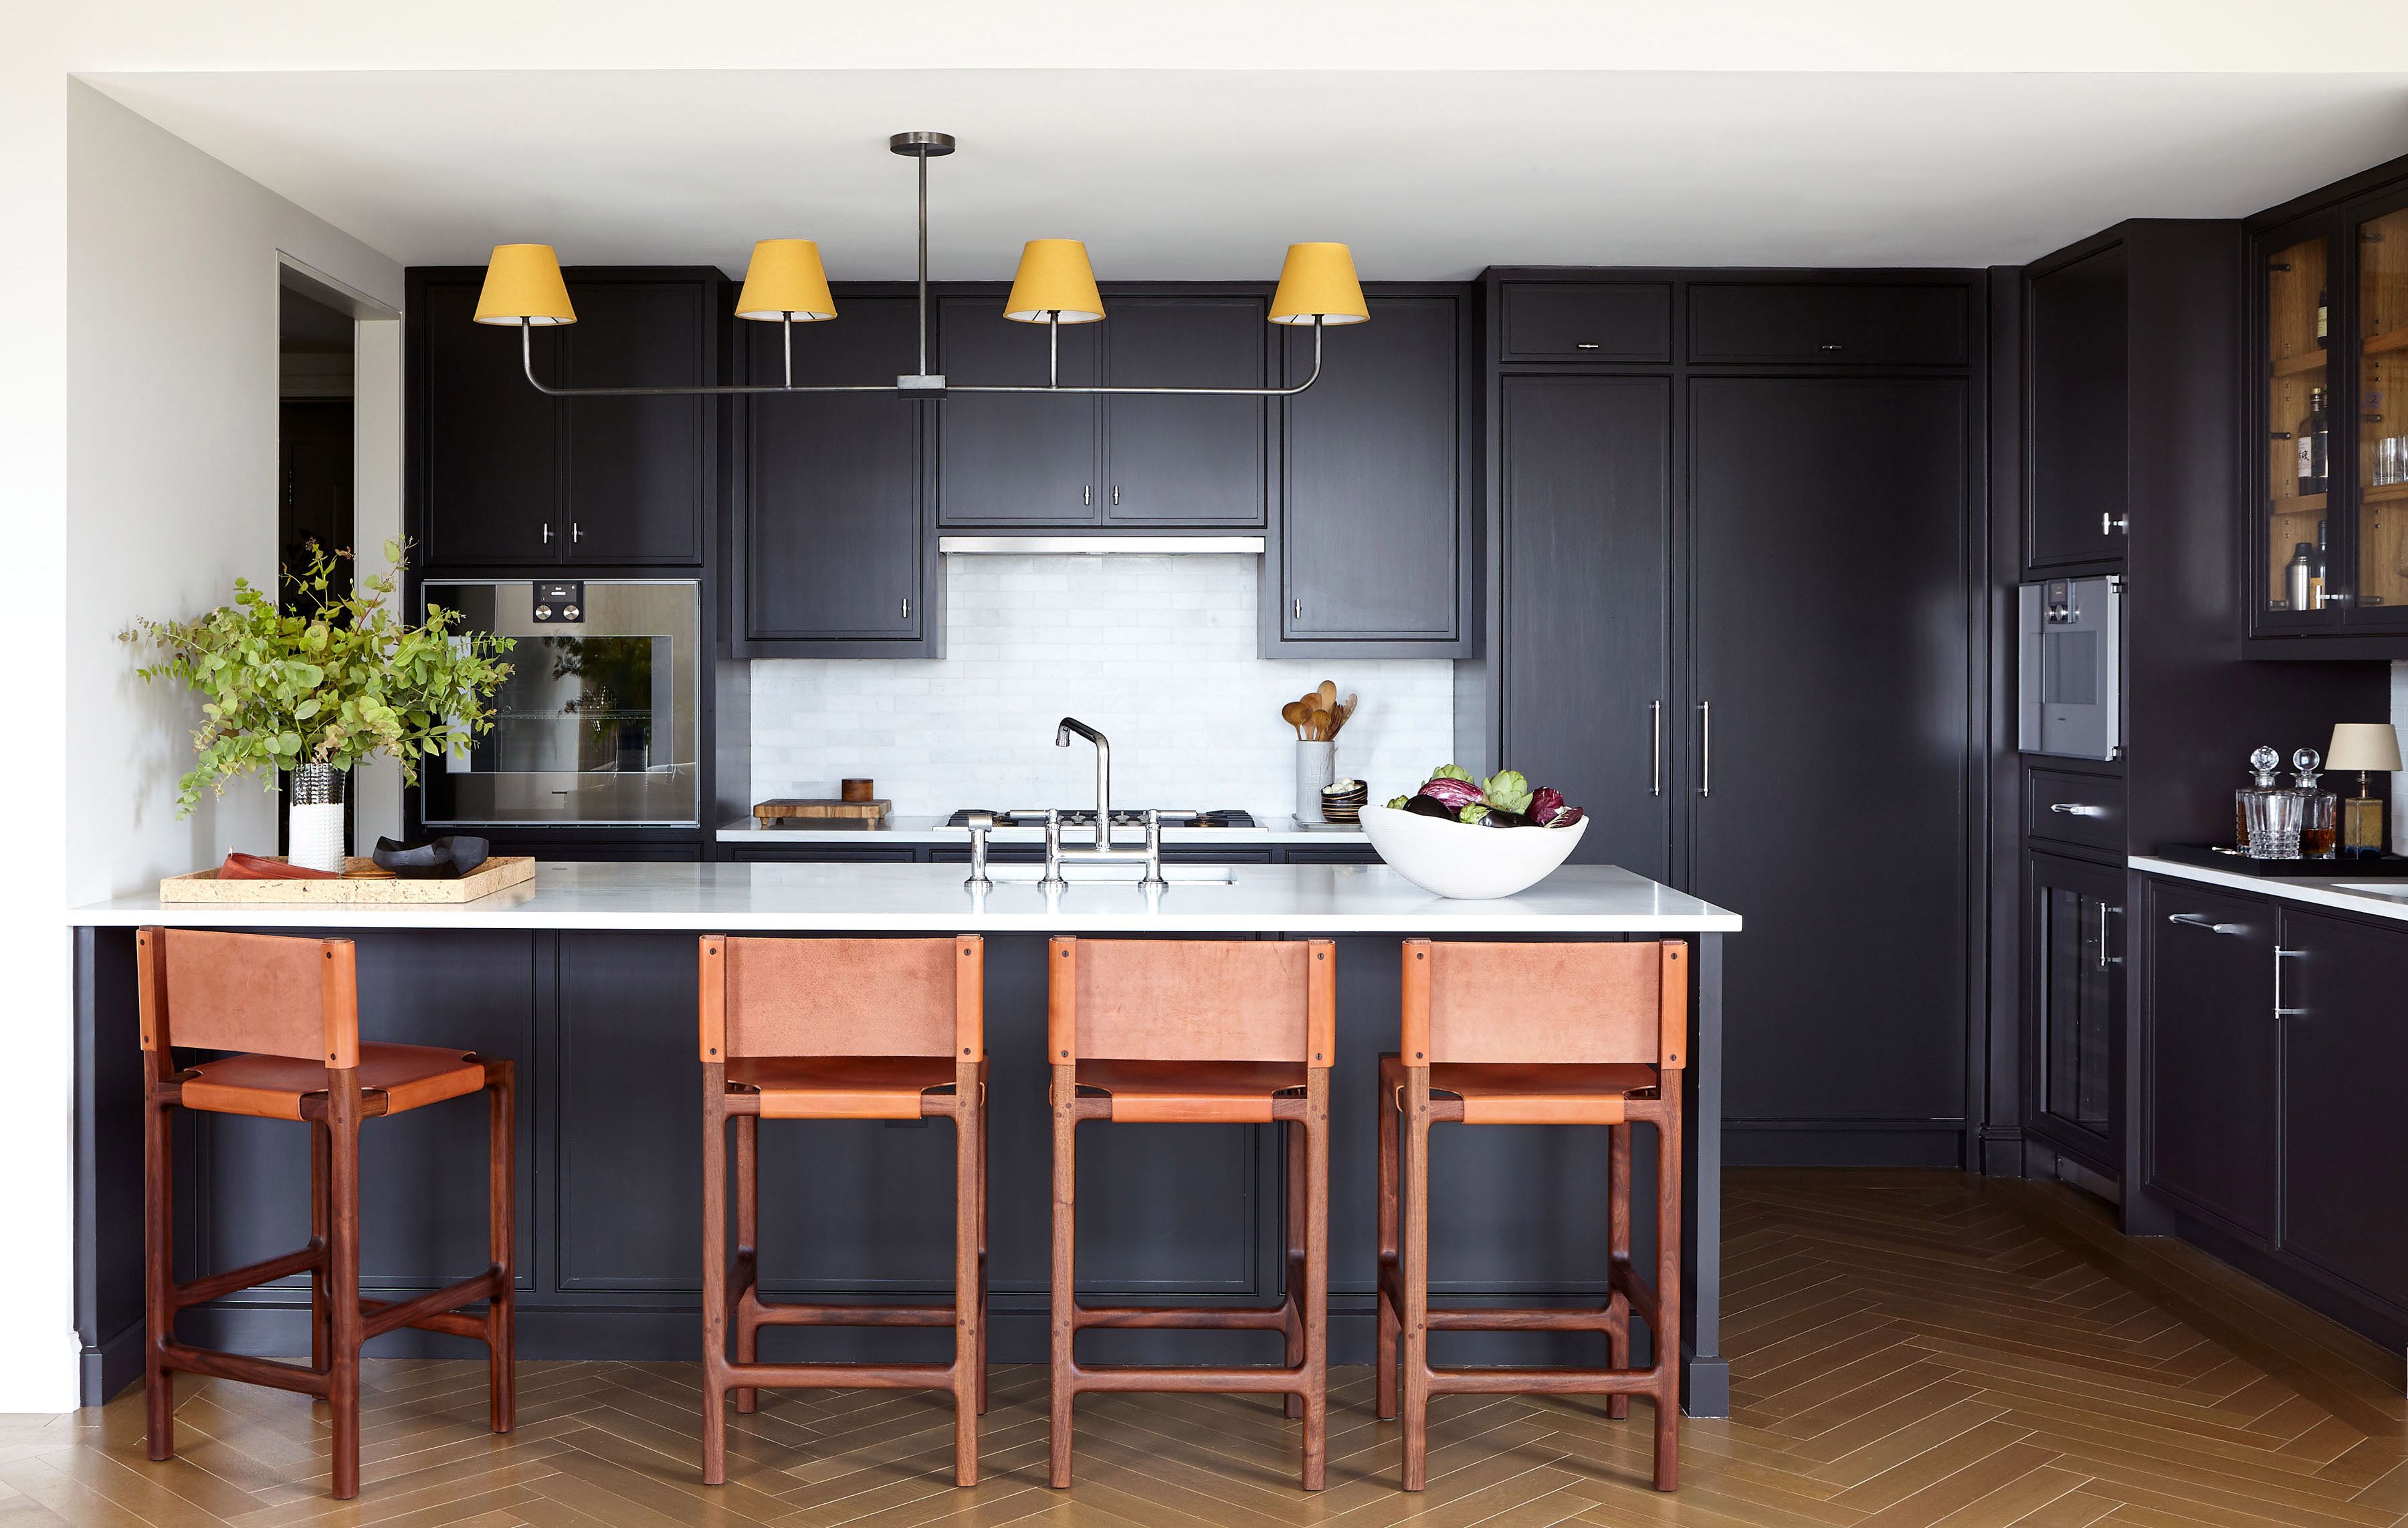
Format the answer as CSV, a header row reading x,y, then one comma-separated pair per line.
x,y
2296,574
2262,765
2310,439
2317,572
2323,314
2317,807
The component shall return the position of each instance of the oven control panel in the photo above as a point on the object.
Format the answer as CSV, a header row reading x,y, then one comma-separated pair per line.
x,y
559,601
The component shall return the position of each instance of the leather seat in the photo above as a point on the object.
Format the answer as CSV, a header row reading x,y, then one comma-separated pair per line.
x,y
1238,1092
1533,1093
272,1087
843,1087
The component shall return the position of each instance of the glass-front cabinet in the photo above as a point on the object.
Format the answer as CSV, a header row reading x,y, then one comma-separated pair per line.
x,y
2076,988
2331,528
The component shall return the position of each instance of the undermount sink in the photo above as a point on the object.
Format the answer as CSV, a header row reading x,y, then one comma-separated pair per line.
x,y
1126,873
2373,888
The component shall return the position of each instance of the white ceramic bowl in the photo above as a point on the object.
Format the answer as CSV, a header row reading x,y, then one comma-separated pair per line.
x,y
1463,859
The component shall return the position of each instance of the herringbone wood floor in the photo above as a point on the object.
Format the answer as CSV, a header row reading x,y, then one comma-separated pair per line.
x,y
1908,1348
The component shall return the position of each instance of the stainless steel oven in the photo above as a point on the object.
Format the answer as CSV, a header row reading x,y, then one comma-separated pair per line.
x,y
2071,666
598,723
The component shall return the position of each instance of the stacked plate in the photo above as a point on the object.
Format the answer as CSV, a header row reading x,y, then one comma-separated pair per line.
x,y
1343,801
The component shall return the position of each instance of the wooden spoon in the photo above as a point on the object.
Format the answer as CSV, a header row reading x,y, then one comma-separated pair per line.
x,y
1293,714
1322,727
1328,693
1338,717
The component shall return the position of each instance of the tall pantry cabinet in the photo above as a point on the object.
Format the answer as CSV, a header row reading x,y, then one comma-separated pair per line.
x,y
1731,524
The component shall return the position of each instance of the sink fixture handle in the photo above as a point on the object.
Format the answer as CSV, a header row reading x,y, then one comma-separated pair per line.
x,y
980,824
2200,920
1053,881
1152,880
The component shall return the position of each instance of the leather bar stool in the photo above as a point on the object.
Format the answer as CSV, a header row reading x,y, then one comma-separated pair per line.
x,y
1535,1035
291,1007
1198,1032
839,1029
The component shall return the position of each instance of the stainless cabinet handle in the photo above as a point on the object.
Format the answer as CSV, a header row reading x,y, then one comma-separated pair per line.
x,y
1705,748
2104,959
2076,808
547,533
575,533
2109,523
907,607
2200,920
1587,345
1087,495
1656,746
1299,608
2281,955
1116,496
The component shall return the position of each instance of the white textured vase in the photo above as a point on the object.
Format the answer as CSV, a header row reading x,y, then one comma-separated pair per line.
x,y
314,820
1316,765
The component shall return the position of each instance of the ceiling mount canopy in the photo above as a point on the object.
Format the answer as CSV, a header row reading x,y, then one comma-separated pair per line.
x,y
785,284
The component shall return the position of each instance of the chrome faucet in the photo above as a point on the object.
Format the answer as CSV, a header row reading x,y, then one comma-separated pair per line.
x,y
1103,774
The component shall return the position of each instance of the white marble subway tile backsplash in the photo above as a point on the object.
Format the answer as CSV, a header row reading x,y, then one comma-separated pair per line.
x,y
1158,652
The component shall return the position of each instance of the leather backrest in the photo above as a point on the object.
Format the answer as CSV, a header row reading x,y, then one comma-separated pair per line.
x,y
846,997
1574,1004
269,994
1264,1000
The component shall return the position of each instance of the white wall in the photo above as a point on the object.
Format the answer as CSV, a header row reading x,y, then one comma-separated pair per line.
x,y
1157,653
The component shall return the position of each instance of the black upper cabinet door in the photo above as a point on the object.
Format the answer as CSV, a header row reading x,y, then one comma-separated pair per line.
x,y
1603,322
1015,459
2345,1052
638,469
1830,629
1838,324
490,444
1372,506
833,502
1585,470
1186,460
2212,1050
2075,401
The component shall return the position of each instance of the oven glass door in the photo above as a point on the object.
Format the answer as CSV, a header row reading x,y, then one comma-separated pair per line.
x,y
596,724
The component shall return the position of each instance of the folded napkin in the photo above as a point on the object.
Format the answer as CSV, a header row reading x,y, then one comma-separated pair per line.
x,y
260,867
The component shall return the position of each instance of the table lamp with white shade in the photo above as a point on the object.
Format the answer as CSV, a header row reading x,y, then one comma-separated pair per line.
x,y
2365,747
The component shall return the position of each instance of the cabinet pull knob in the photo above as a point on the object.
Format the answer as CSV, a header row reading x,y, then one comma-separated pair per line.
x,y
1116,496
547,533
2076,808
2109,523
2200,920
1587,345
1833,349
576,533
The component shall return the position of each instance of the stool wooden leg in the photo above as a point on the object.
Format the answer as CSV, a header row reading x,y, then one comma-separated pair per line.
x,y
1383,1385
748,1248
1666,1335
322,1312
968,1318
343,1275
1617,1234
1292,1333
1066,1187
1415,1276
1316,1128
158,1275
714,1275
501,1234
981,1240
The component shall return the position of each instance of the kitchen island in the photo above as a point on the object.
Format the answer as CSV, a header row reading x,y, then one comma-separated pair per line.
x,y
585,977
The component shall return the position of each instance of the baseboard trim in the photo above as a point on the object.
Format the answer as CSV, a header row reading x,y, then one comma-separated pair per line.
x,y
1844,1143
106,1369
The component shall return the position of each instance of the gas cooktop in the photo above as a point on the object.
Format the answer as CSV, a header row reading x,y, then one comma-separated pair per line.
x,y
1084,816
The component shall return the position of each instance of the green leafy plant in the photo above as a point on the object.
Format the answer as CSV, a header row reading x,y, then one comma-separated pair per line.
x,y
331,677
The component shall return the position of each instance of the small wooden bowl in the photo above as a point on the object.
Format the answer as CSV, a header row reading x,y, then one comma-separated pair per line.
x,y
858,789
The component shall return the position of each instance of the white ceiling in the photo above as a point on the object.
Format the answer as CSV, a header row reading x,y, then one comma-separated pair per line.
x,y
1173,174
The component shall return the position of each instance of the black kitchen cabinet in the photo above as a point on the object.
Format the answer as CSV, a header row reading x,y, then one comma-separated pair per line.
x,y
1015,458
636,471
2212,1045
1376,487
1828,731
833,556
1829,322
2074,924
1589,321
501,474
1584,479
2075,392
1187,462
2345,1160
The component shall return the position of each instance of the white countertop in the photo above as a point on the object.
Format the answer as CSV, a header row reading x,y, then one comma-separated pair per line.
x,y
931,898
2380,898
932,830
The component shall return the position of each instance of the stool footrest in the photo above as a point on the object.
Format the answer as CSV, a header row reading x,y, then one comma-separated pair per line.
x,y
1252,1380
383,1315
837,1377
1520,1319
202,1291
1187,1317
758,1312
1544,1381
208,1361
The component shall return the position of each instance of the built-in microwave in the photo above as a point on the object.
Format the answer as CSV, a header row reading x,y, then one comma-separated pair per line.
x,y
2069,667
599,724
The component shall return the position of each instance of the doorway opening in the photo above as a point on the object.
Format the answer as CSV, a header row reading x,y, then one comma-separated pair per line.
x,y
315,353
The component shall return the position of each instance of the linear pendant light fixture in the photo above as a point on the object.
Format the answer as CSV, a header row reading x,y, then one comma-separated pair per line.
x,y
786,285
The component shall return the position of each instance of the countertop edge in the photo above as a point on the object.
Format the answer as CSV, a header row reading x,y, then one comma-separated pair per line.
x,y
926,830
2319,891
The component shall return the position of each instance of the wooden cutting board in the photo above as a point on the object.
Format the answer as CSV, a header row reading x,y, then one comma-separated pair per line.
x,y
363,881
797,811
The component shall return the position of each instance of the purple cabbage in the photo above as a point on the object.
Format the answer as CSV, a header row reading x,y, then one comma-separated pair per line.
x,y
1546,802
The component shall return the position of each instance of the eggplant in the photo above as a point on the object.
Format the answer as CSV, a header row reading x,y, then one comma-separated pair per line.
x,y
1566,817
1456,794
1497,817
1428,806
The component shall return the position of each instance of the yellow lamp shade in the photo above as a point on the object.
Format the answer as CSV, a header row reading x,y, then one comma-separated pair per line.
x,y
1054,277
785,280
1318,282
523,284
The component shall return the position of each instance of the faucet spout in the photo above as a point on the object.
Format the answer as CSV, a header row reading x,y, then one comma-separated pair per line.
x,y
1103,774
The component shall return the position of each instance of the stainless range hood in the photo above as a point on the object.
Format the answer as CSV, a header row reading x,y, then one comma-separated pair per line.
x,y
1100,546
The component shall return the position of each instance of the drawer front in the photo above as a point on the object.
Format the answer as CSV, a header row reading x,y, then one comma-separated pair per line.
x,y
1586,321
2073,808
1777,323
